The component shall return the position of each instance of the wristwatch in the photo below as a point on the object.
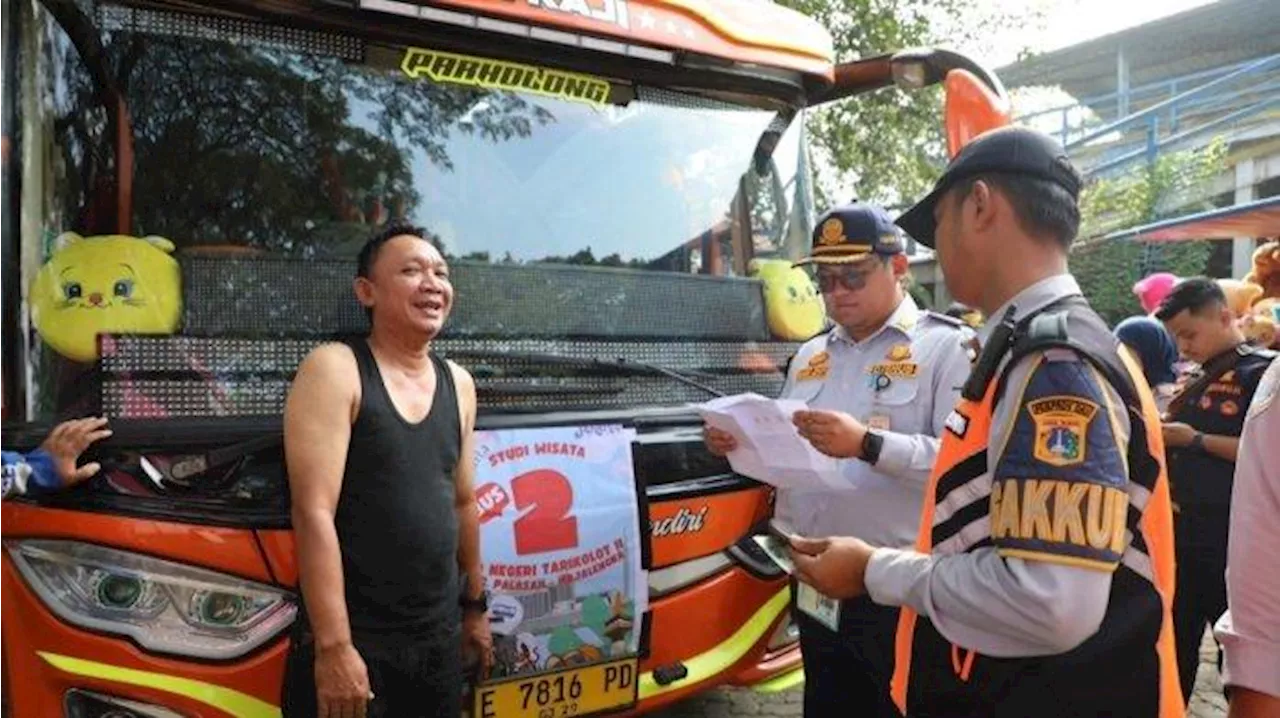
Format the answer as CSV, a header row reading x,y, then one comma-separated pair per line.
x,y
872,443
1197,441
479,604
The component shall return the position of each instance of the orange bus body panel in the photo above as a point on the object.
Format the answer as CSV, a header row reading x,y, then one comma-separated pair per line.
x,y
710,523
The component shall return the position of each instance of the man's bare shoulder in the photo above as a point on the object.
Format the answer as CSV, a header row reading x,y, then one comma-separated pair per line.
x,y
330,370
331,359
466,385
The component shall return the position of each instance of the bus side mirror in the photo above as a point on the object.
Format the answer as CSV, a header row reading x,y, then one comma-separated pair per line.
x,y
971,108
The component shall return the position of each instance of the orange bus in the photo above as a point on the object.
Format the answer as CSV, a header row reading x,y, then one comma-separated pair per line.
x,y
186,184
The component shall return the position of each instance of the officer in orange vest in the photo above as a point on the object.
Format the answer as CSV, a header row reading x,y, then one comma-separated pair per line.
x,y
1043,571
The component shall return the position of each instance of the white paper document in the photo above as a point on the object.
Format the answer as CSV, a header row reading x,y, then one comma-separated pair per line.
x,y
770,449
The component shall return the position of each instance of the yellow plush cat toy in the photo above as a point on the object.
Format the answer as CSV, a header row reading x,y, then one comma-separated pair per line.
x,y
112,284
791,303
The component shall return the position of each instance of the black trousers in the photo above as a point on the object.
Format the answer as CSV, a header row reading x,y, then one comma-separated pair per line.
x,y
1200,596
847,673
409,678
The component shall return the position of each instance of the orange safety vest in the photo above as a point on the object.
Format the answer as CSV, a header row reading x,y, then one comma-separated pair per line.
x,y
1128,667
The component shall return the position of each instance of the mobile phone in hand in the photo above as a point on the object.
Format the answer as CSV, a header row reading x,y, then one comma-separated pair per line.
x,y
777,544
781,530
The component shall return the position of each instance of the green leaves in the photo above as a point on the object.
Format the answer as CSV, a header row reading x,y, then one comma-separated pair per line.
x,y
884,146
1107,270
887,146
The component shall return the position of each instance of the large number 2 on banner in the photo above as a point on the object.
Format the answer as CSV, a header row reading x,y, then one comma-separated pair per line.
x,y
548,527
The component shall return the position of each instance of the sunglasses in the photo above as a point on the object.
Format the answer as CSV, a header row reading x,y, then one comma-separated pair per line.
x,y
853,280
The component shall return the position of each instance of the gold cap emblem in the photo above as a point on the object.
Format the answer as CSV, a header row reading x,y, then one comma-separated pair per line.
x,y
832,232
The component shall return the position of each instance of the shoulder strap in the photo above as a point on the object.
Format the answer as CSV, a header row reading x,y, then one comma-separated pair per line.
x,y
444,373
364,355
1008,334
1210,373
1047,329
1041,330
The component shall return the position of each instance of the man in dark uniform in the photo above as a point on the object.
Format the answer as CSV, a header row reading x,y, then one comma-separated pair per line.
x,y
1202,436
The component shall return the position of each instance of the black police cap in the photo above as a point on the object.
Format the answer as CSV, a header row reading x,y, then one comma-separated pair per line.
x,y
1005,150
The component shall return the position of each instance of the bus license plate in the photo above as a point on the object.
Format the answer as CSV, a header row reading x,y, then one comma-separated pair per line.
x,y
574,692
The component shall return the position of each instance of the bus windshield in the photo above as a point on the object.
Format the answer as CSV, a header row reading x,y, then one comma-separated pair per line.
x,y
229,142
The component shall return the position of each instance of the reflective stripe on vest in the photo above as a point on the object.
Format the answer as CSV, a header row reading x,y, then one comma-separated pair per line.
x,y
962,457
964,439
1157,531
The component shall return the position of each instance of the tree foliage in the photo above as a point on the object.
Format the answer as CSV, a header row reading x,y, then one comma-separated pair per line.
x,y
1107,270
887,146
250,145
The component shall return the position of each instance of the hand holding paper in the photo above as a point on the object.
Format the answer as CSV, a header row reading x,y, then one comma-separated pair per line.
x,y
766,444
833,433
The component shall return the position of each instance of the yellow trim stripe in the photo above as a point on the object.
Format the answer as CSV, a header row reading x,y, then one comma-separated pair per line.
x,y
231,701
700,668
1042,557
784,682
844,249
720,658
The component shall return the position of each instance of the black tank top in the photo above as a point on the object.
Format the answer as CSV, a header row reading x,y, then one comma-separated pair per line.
x,y
396,522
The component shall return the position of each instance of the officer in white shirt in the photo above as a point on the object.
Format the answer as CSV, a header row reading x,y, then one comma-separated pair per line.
x,y
880,384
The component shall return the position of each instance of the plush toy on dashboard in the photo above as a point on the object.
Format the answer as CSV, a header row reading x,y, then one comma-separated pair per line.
x,y
1260,329
1261,325
1240,295
111,284
791,303
1266,269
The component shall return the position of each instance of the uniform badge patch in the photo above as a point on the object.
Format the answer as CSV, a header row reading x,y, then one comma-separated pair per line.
x,y
832,233
1062,428
895,370
899,352
1206,403
1229,408
817,368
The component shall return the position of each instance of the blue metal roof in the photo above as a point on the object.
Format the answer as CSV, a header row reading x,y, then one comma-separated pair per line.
x,y
1226,32
1254,219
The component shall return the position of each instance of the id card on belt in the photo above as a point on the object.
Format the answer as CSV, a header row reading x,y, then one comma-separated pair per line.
x,y
820,608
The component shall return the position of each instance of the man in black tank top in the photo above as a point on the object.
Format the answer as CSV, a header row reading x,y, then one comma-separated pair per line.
x,y
378,443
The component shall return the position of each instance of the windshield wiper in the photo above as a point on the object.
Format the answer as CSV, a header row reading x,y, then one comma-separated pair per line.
x,y
632,365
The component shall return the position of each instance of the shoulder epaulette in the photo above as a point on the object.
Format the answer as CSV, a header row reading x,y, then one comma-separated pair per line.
x,y
946,319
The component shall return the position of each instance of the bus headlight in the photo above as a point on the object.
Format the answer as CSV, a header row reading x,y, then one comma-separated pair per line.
x,y
164,606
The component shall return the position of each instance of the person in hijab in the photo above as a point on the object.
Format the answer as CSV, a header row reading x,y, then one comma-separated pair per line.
x,y
1153,347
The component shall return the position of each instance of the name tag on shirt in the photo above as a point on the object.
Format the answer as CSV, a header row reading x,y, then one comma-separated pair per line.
x,y
879,422
820,608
